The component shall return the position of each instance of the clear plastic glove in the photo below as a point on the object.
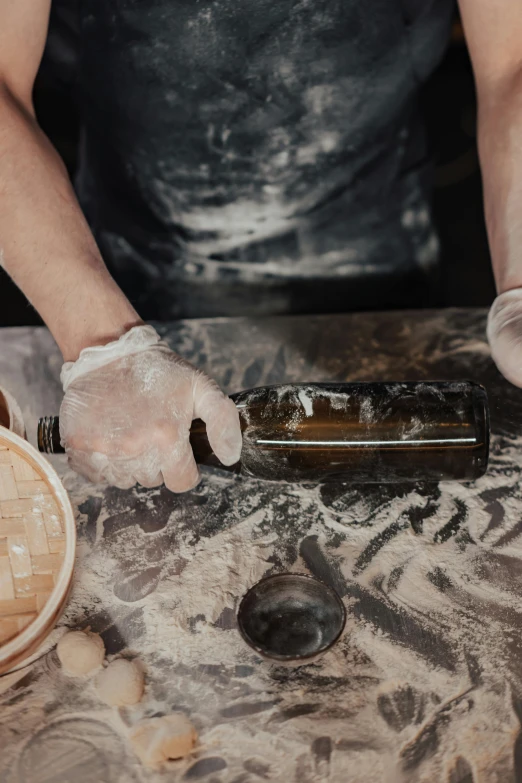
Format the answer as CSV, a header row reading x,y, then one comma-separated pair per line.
x,y
127,410
505,334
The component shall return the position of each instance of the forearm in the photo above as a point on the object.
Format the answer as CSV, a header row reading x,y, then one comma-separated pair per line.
x,y
500,148
46,244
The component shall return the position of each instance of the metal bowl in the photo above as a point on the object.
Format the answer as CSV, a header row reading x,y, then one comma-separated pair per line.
x,y
291,618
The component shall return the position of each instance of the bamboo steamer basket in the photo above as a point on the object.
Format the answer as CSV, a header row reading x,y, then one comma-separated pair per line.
x,y
37,545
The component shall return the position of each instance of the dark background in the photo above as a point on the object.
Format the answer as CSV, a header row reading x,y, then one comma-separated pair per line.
x,y
449,107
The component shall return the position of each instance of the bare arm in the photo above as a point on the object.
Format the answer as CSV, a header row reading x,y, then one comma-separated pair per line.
x,y
46,245
494,34
50,253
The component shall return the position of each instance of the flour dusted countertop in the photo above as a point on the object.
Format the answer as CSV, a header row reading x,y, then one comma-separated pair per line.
x,y
426,684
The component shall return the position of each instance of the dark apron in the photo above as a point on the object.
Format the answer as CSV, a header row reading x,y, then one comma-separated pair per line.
x,y
258,156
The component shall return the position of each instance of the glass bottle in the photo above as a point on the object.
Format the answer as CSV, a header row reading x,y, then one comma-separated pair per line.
x,y
350,432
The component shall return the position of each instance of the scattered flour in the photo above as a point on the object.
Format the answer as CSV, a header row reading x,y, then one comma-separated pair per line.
x,y
307,402
218,570
444,665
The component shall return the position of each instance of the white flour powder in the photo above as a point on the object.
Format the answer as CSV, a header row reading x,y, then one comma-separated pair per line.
x,y
409,698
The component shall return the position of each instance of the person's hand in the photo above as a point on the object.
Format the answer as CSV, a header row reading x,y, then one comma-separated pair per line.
x,y
127,411
505,334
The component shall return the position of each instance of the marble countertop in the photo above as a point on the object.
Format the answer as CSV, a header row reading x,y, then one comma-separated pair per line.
x,y
425,684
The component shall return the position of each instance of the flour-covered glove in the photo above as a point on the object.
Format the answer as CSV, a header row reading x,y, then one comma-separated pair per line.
x,y
505,334
127,410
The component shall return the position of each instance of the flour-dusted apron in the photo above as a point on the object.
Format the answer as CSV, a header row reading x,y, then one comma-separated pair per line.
x,y
258,156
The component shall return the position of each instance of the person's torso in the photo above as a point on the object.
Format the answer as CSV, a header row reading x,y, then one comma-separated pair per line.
x,y
243,140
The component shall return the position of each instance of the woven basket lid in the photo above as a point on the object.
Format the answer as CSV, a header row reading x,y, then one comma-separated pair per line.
x,y
37,545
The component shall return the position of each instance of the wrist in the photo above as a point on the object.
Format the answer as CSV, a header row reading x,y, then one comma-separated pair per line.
x,y
90,335
99,315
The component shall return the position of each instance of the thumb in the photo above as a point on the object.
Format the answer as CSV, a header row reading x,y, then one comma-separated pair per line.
x,y
221,417
505,334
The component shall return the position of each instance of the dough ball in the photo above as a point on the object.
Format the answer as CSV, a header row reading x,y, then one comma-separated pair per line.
x,y
157,740
121,683
80,652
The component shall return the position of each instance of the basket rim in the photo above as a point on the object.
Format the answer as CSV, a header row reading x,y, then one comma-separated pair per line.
x,y
16,646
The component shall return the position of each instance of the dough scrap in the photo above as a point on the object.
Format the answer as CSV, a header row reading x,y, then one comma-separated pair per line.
x,y
80,652
121,683
156,740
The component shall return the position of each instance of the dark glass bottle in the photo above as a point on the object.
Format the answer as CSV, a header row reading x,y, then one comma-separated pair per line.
x,y
351,432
